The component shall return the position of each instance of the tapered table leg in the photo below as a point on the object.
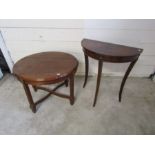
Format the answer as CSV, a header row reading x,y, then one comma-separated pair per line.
x,y
125,78
66,82
86,69
100,64
34,88
29,97
72,89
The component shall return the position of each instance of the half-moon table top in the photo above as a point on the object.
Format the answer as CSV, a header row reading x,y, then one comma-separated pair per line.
x,y
45,67
109,51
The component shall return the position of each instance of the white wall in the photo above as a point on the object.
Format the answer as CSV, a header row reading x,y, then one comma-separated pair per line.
x,y
24,37
138,33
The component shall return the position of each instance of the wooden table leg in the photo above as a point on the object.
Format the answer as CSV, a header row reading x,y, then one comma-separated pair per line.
x,y
66,82
100,64
34,88
86,69
72,89
125,78
29,97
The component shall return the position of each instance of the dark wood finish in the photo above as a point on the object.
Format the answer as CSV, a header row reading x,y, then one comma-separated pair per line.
x,y
72,90
108,52
66,83
46,68
29,97
34,88
86,69
125,78
100,64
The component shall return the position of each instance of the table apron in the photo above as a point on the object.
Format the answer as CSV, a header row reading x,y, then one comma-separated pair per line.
x,y
112,59
37,83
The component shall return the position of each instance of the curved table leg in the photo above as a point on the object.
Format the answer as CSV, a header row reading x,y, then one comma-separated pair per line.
x,y
125,78
71,89
100,64
29,97
86,69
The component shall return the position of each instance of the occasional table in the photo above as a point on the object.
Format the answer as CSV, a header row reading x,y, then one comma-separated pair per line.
x,y
108,52
46,68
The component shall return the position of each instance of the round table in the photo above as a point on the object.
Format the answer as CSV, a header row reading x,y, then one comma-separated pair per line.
x,y
46,68
108,52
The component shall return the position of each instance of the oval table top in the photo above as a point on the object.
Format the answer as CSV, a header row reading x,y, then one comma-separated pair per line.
x,y
110,52
45,67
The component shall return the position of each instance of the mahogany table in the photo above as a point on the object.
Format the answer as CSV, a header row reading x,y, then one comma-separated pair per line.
x,y
108,52
46,68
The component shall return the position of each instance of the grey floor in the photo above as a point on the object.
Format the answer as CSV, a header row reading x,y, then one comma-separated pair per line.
x,y
134,115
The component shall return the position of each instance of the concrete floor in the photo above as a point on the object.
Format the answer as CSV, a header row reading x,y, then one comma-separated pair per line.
x,y
134,115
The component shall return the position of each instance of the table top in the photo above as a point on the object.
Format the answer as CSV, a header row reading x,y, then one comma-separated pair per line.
x,y
110,51
45,67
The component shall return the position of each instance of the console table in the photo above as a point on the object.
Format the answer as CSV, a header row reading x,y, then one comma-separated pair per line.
x,y
108,52
46,68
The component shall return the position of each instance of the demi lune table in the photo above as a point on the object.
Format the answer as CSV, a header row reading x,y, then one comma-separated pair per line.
x,y
108,52
46,68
